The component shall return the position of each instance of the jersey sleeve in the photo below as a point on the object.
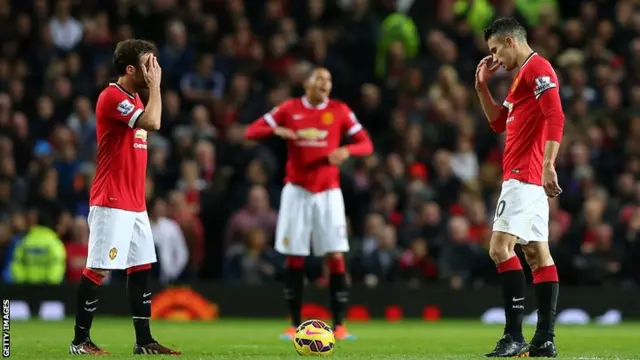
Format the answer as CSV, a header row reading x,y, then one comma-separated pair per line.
x,y
499,124
361,144
264,126
544,84
278,115
122,108
350,123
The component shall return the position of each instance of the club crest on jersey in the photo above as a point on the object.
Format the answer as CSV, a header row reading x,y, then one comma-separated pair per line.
x,y
327,118
113,253
125,107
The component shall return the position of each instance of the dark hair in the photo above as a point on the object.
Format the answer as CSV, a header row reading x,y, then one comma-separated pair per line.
x,y
505,26
128,52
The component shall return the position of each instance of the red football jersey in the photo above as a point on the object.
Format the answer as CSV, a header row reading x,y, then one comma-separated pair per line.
x,y
319,129
533,116
122,151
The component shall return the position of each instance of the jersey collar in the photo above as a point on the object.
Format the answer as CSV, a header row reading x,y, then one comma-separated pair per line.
x,y
528,58
122,89
320,106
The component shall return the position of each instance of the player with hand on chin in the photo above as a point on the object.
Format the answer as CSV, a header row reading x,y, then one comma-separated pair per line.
x,y
533,120
120,233
312,213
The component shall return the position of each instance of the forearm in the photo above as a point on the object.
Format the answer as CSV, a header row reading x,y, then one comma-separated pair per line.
x,y
362,145
492,110
151,118
551,149
259,129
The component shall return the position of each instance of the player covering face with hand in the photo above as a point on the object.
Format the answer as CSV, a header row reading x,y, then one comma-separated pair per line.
x,y
533,120
120,233
312,214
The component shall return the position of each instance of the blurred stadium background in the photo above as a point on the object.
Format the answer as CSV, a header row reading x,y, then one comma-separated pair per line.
x,y
420,209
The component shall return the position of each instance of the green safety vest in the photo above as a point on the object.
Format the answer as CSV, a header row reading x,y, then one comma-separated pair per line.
x,y
479,14
39,258
530,9
396,27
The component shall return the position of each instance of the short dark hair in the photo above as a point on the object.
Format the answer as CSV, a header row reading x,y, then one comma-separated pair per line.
x,y
128,52
505,26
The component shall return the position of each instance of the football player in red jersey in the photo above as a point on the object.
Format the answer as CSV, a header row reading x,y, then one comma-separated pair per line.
x,y
120,233
312,214
533,120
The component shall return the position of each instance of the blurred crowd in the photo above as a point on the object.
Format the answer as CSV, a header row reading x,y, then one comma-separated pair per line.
x,y
420,210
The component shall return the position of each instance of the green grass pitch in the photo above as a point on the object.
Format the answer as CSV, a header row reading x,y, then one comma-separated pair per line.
x,y
258,339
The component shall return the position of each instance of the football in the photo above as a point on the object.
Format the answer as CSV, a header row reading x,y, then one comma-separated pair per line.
x,y
314,338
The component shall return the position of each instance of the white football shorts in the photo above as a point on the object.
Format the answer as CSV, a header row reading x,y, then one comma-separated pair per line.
x,y
119,239
523,211
309,221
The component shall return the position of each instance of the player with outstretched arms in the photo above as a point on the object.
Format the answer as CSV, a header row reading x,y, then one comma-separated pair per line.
x,y
119,229
533,120
312,213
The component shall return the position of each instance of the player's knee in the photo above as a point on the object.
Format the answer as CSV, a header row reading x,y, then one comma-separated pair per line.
x,y
501,247
499,255
532,260
537,255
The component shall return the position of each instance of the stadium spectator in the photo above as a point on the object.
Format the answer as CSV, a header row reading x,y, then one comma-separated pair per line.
x,y
381,265
171,246
39,257
257,214
254,262
459,254
77,249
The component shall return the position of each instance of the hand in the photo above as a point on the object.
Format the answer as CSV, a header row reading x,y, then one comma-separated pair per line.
x,y
486,68
338,156
285,133
550,181
152,72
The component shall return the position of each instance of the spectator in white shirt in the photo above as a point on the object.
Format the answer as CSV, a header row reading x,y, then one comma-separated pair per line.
x,y
171,246
66,31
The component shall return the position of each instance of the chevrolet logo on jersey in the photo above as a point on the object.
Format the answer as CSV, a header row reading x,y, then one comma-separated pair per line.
x,y
141,134
312,134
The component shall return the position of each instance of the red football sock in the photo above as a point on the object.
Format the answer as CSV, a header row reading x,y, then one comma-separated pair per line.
x,y
545,274
295,262
93,276
336,265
